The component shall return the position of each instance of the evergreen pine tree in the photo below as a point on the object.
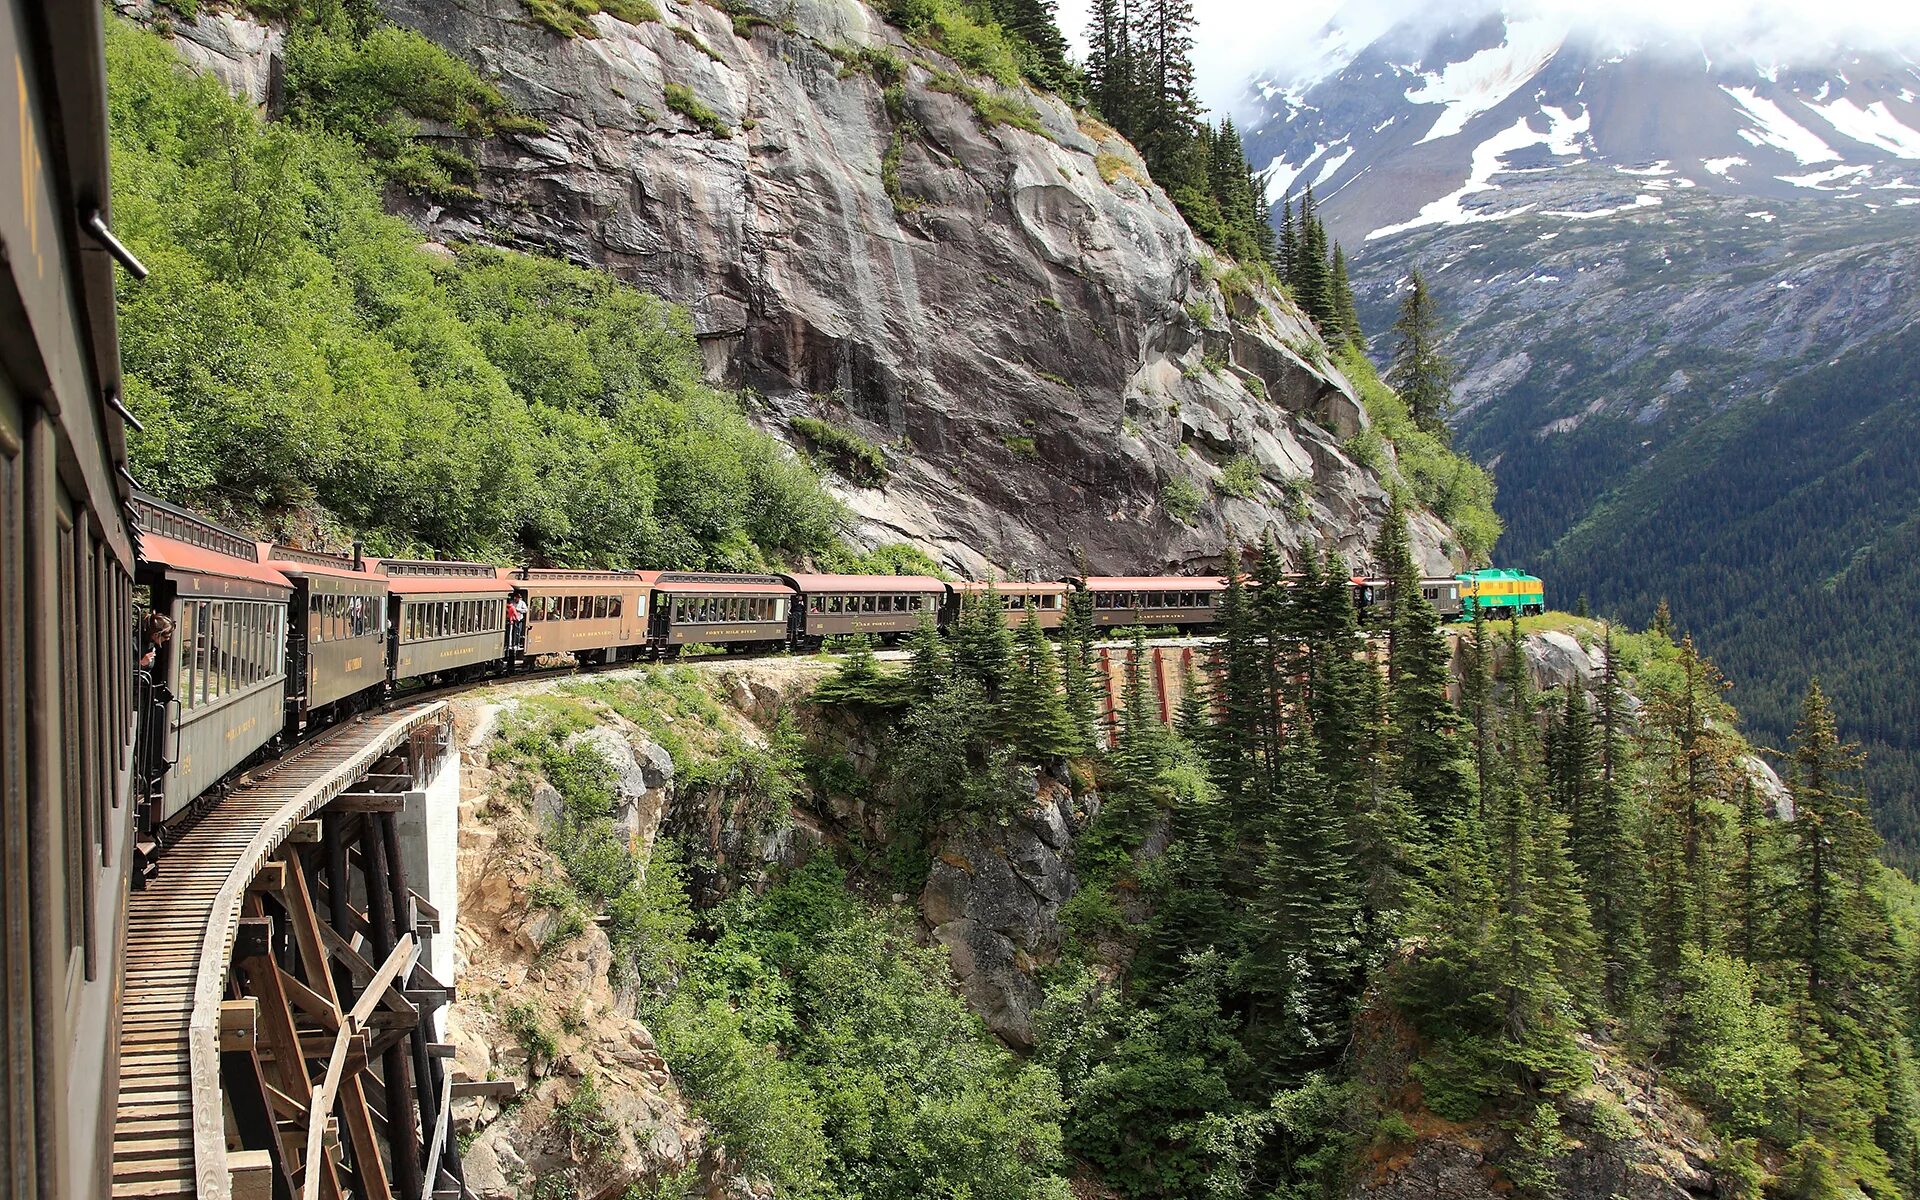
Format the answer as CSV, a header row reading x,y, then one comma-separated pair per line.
x,y
1081,677
1477,694
1346,311
1304,953
1420,717
1036,708
1610,852
1289,249
1421,372
1236,737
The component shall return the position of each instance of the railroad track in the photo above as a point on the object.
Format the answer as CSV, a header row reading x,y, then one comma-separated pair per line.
x,y
169,1136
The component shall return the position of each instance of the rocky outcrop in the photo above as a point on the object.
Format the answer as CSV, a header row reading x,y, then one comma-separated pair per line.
x,y
993,898
642,780
585,1095
1045,352
1623,1136
1031,332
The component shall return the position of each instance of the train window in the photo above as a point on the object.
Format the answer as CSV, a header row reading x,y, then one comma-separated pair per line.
x,y
614,606
74,842
914,603
569,607
817,604
599,608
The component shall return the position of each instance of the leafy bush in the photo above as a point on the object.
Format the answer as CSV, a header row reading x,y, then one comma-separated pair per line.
x,y
858,458
573,18
1239,478
1182,499
1457,490
298,359
371,88
680,99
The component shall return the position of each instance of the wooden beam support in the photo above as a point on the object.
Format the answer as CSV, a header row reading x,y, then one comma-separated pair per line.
x,y
238,1019
306,833
369,802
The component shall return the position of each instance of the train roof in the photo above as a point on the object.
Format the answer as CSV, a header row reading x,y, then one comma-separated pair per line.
x,y
1007,587
434,577
865,583
566,576
1155,583
694,582
1492,573
296,562
179,558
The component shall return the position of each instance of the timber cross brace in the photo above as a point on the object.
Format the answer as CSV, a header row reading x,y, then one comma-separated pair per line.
x,y
333,1081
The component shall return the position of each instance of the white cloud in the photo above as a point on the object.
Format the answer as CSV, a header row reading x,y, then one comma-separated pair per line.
x,y
1238,39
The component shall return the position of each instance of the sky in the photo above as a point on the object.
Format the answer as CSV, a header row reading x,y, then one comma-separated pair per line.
x,y
1237,39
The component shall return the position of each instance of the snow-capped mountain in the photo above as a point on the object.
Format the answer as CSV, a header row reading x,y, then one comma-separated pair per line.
x,y
1412,127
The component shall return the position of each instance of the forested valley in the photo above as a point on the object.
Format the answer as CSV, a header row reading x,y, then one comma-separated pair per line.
x,y
1327,909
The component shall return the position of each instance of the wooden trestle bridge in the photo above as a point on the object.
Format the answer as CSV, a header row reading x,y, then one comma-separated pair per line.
x,y
276,1034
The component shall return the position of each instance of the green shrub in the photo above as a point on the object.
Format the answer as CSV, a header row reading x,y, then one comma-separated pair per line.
x,y
1457,490
583,1117
989,108
298,359
1239,478
573,18
523,1022
1022,446
680,99
1182,499
859,459
371,88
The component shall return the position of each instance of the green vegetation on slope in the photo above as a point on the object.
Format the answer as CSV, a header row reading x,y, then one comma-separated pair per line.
x,y
1335,900
1786,535
825,1049
301,361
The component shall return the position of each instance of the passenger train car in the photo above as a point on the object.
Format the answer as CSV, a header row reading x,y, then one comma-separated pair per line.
x,y
67,650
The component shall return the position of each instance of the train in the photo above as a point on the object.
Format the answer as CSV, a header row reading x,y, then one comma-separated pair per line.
x,y
66,610
259,642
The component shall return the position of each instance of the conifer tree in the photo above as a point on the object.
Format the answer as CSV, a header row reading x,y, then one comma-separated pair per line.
x,y
1420,717
1834,854
1610,851
1236,737
1081,678
928,664
1346,311
1477,694
858,681
1289,249
1304,951
1141,747
1685,824
1421,371
983,645
1035,707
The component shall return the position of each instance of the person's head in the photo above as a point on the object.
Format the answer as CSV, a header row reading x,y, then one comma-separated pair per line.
x,y
159,629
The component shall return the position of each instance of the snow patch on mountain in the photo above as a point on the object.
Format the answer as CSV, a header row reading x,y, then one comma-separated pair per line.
x,y
1777,130
1485,80
1563,136
1875,125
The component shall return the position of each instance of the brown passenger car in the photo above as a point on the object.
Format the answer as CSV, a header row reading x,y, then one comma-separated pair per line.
x,y
1049,600
337,646
1154,599
446,618
874,605
600,613
690,608
1371,596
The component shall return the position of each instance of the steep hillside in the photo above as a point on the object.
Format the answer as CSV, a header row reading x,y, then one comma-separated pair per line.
x,y
957,270
1682,291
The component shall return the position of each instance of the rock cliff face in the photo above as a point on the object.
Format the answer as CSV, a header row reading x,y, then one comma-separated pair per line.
x,y
1032,334
1027,329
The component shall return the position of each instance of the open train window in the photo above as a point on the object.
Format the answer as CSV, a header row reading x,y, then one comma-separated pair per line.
x,y
613,606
